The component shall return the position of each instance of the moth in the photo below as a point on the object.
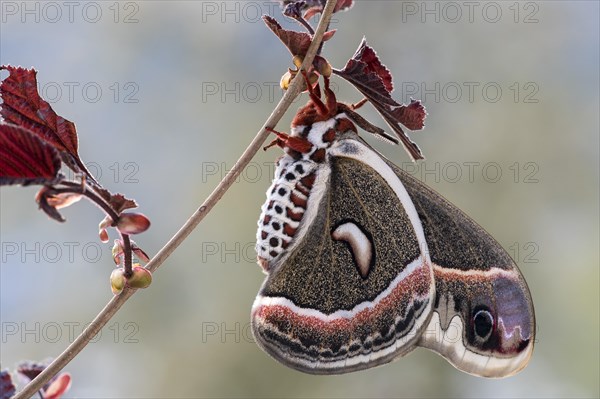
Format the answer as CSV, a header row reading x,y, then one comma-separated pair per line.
x,y
365,263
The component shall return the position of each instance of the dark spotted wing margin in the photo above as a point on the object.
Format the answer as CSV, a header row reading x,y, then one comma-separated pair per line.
x,y
323,310
483,319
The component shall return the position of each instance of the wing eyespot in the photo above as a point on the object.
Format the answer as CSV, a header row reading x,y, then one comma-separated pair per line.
x,y
483,324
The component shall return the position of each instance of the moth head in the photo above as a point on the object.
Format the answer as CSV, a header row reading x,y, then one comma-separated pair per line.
x,y
309,114
316,110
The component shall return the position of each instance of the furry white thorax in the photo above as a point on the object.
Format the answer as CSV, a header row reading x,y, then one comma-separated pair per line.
x,y
317,130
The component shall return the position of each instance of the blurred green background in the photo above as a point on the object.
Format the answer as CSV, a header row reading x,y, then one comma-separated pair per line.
x,y
166,96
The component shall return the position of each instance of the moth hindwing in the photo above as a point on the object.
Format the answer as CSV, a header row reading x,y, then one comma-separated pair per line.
x,y
364,263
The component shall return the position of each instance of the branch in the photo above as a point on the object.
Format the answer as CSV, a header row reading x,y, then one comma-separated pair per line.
x,y
117,301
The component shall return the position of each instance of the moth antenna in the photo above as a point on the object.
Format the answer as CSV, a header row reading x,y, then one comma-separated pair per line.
x,y
365,124
386,138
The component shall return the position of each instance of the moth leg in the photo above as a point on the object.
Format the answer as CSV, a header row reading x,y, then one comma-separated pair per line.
x,y
315,96
317,90
284,140
332,105
359,104
273,143
278,141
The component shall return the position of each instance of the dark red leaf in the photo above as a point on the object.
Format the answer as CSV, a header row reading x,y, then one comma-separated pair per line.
x,y
120,203
30,369
368,83
44,198
117,201
296,42
412,115
390,115
23,106
7,388
343,5
369,75
64,200
311,12
294,9
366,72
328,35
312,7
50,200
25,158
367,55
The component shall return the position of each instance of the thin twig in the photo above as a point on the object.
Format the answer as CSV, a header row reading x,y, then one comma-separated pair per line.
x,y
127,266
117,301
92,195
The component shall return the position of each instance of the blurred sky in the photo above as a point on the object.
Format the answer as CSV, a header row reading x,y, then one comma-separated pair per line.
x,y
166,96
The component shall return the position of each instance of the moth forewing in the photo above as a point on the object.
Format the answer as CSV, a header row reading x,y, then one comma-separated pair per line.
x,y
325,309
